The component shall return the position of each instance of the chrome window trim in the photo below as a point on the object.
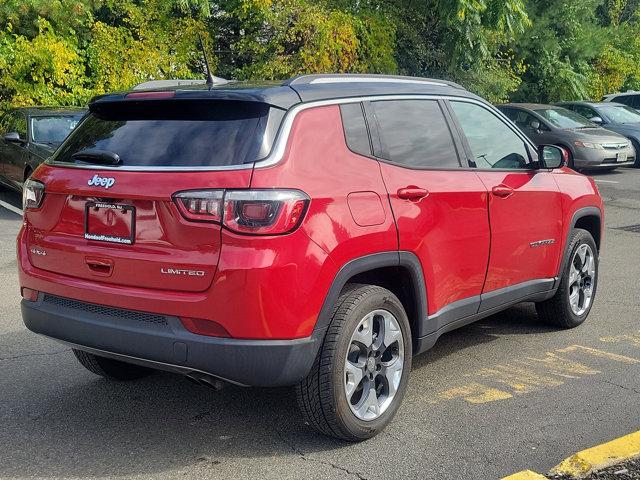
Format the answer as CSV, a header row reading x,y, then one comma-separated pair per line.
x,y
282,138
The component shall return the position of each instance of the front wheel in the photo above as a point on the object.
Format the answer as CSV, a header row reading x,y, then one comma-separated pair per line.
x,y
360,375
636,146
572,302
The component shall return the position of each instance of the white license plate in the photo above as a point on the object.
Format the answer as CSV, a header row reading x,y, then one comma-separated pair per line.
x,y
622,157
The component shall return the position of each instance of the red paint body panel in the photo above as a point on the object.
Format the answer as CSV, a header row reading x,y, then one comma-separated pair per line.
x,y
319,163
577,191
531,213
366,208
448,230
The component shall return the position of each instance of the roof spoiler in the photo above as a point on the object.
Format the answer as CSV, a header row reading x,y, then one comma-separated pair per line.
x,y
155,84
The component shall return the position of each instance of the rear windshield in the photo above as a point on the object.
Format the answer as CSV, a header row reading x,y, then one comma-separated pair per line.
x,y
179,133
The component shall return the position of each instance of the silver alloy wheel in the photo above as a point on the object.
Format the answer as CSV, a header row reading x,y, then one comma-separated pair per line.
x,y
374,364
582,275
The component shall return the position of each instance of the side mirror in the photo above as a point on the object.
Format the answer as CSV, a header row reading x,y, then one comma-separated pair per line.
x,y
552,157
535,124
12,137
597,120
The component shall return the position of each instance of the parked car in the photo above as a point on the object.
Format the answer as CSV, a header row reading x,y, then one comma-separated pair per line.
x,y
630,98
318,233
28,136
589,146
616,117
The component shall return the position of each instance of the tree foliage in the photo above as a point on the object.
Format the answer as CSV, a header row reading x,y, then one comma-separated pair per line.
x,y
62,52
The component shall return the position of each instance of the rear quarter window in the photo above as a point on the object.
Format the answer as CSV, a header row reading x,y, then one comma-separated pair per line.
x,y
355,128
178,133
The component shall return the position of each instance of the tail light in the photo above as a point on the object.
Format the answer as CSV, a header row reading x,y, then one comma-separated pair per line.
x,y
250,212
200,206
32,194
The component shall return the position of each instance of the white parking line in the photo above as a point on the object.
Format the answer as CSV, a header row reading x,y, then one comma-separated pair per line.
x,y
10,207
605,181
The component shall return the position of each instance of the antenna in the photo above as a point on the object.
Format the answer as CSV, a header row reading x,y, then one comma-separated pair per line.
x,y
210,80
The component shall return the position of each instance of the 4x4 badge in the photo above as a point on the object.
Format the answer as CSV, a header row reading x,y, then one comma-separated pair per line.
x,y
98,181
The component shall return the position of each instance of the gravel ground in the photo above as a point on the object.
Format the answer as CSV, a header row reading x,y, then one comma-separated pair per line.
x,y
623,471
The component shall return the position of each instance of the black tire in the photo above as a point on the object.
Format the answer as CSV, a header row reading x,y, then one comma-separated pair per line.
x,y
321,395
636,145
557,310
109,368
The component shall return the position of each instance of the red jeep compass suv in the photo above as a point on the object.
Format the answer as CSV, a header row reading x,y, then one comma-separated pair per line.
x,y
317,233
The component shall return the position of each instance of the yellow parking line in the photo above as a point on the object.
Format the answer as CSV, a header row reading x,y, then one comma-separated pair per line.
x,y
525,475
475,393
601,456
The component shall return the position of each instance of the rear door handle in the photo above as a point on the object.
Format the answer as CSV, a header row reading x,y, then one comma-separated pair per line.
x,y
412,193
502,191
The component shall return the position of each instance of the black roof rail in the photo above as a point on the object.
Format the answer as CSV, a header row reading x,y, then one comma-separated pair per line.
x,y
334,78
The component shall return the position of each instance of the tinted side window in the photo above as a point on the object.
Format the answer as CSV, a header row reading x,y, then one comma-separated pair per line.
x,y
521,118
415,133
355,128
586,112
510,113
493,144
630,100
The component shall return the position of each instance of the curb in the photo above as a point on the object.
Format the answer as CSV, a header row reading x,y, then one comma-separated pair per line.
x,y
583,463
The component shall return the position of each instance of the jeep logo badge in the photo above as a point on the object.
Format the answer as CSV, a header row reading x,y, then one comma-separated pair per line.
x,y
97,181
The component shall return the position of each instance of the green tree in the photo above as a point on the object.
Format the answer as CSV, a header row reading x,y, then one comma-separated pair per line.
x,y
277,39
61,52
558,50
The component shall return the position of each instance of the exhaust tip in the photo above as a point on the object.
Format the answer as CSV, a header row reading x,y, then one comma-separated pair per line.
x,y
206,380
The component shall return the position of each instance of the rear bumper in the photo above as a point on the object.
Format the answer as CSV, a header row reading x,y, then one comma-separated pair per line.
x,y
162,342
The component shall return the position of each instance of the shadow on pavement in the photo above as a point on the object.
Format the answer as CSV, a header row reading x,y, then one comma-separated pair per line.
x,y
11,197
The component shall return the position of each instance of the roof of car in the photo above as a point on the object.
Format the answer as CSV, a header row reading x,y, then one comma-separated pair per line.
x,y
528,106
621,94
591,104
36,111
305,88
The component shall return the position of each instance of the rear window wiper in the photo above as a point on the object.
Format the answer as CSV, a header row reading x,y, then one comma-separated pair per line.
x,y
93,155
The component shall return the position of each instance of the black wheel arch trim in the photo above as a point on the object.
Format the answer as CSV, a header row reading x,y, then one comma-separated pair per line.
x,y
577,215
403,259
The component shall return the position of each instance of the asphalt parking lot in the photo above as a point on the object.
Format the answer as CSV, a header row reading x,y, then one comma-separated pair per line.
x,y
499,396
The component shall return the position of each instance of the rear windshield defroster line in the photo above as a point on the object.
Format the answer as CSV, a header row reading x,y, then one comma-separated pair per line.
x,y
177,133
